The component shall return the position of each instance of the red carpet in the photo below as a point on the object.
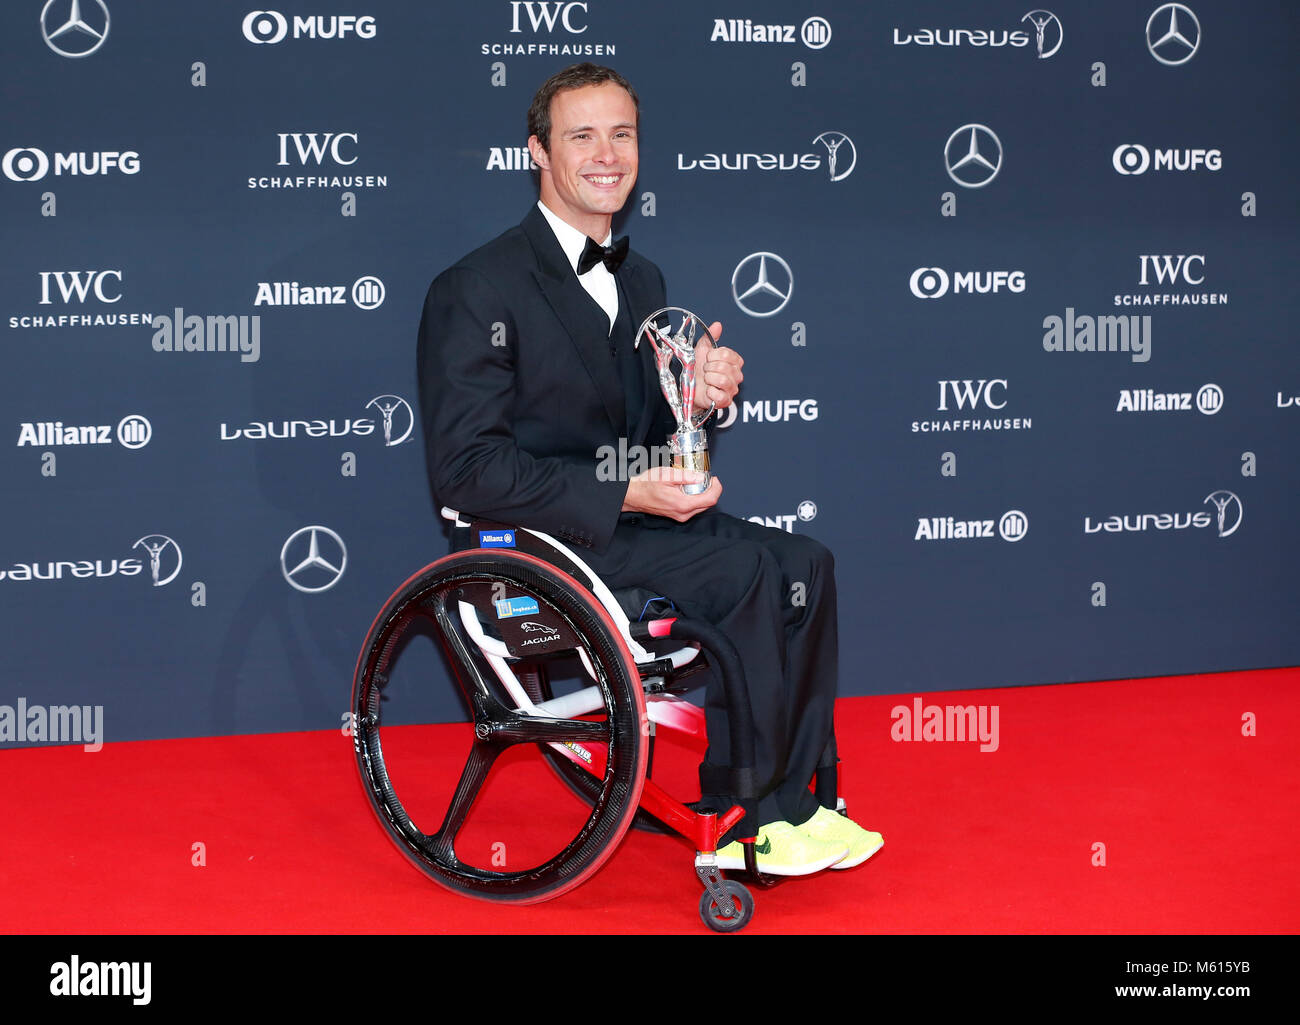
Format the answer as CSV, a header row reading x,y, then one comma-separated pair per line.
x,y
1198,821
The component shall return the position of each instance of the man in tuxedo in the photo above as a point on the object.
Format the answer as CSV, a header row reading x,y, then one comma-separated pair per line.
x,y
528,372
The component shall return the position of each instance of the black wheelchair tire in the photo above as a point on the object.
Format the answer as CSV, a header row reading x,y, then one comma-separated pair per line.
x,y
743,908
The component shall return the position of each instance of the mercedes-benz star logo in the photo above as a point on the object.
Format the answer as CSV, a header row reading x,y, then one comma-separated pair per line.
x,y
309,564
1043,19
840,164
155,545
76,36
966,151
770,291
1173,41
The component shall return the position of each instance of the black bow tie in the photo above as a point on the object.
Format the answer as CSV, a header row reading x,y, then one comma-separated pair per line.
x,y
611,256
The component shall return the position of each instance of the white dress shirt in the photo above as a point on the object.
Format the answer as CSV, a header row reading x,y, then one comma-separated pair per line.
x,y
598,281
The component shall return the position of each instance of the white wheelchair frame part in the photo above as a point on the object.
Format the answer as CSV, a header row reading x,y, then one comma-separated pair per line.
x,y
668,710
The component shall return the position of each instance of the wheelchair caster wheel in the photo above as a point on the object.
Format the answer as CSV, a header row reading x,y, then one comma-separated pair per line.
x,y
742,909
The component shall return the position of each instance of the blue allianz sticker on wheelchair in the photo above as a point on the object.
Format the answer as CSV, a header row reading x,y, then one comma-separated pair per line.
x,y
508,607
496,538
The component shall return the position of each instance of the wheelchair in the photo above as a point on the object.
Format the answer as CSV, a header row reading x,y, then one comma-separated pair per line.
x,y
513,609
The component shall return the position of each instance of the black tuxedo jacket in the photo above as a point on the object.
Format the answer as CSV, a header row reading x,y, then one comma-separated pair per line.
x,y
518,393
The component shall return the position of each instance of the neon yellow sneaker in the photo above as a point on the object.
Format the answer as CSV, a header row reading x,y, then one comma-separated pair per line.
x,y
832,828
783,850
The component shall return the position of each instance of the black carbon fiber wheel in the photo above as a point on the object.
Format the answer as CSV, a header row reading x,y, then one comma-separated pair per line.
x,y
564,842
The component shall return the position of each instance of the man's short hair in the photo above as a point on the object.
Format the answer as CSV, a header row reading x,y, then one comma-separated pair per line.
x,y
575,76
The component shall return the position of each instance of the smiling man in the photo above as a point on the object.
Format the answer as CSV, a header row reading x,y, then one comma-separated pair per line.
x,y
584,141
528,371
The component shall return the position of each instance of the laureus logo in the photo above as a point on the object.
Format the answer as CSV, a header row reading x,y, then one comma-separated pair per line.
x,y
389,407
164,557
1226,518
1228,511
1049,33
841,155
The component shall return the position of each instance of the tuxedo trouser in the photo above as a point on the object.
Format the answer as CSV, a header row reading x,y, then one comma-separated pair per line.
x,y
772,594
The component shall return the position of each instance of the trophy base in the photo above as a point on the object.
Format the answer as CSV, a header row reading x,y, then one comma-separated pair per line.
x,y
691,452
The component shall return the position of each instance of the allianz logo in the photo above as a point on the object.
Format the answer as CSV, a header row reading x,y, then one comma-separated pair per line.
x,y
510,158
1208,399
133,431
1012,526
367,292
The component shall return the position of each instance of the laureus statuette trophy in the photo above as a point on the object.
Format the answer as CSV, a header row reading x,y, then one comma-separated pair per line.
x,y
673,332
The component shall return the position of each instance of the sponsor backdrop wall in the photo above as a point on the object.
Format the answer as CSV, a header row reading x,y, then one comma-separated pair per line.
x,y
1013,286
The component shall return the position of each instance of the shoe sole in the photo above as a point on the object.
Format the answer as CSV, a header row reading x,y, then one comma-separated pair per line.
x,y
738,865
855,862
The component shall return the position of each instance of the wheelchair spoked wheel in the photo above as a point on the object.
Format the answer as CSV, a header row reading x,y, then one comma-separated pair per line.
x,y
582,783
543,861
